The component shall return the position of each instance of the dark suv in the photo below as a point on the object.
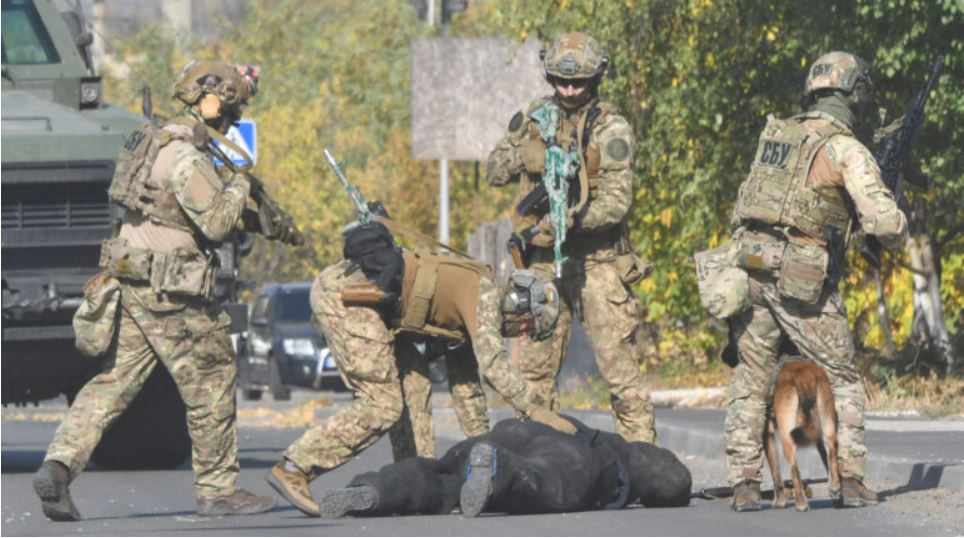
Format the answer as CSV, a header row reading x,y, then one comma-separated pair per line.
x,y
282,348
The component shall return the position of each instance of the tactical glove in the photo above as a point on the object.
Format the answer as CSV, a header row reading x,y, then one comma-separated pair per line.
x,y
551,419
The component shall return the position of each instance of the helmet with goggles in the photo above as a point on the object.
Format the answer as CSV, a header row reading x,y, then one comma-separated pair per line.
x,y
530,305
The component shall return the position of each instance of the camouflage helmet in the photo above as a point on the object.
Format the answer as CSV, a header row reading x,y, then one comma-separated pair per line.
x,y
530,305
223,80
837,71
573,56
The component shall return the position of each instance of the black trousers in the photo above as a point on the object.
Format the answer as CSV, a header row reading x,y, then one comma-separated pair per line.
x,y
537,470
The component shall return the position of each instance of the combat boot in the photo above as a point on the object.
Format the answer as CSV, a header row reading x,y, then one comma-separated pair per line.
x,y
853,494
239,503
478,479
338,502
746,496
51,484
293,486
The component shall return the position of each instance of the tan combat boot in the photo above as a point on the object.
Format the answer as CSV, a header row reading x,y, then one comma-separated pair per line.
x,y
239,503
293,486
746,496
51,484
853,494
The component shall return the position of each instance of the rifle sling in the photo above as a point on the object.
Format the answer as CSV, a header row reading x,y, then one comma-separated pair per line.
x,y
398,228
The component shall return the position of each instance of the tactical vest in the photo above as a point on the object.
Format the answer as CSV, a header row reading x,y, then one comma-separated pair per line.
x,y
776,192
418,306
589,169
132,186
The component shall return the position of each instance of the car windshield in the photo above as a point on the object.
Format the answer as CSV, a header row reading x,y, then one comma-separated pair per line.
x,y
25,40
293,307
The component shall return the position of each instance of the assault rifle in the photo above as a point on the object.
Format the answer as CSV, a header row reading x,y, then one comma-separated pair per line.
x,y
376,212
559,166
893,151
367,211
275,223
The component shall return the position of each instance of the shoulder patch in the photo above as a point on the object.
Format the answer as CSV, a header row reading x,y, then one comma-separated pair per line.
x,y
832,153
516,122
617,149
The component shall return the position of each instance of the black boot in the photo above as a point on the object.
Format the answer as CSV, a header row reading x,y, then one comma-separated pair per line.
x,y
51,484
478,479
352,500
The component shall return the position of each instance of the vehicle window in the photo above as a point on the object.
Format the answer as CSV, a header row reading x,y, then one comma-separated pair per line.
x,y
293,306
260,308
25,39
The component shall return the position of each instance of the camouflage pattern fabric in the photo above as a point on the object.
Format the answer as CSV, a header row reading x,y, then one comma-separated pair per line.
x,y
821,332
610,314
364,351
465,386
389,378
591,283
214,207
193,344
836,70
413,434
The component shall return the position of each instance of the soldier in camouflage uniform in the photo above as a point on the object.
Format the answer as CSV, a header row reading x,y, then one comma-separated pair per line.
x,y
439,295
177,209
810,183
601,266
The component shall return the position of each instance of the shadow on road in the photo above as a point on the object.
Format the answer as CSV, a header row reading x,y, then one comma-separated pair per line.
x,y
924,476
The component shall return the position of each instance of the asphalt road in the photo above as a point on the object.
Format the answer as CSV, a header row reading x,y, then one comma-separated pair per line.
x,y
162,502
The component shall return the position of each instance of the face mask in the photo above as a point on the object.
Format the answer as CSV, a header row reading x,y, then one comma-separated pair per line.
x,y
210,107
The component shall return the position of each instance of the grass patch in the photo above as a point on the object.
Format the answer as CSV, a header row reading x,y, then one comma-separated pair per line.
x,y
931,396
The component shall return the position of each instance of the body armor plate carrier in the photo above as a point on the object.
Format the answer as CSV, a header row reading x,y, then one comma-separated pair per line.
x,y
776,193
132,187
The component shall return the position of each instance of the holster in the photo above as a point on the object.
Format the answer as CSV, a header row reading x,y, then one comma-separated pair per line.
x,y
363,294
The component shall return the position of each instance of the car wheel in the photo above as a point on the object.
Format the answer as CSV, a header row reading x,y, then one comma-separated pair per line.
x,y
251,394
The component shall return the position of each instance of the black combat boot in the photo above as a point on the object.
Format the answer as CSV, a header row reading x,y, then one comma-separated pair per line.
x,y
478,479
338,502
853,494
239,503
746,496
51,484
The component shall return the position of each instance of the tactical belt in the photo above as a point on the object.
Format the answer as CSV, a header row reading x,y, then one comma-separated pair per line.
x,y
180,272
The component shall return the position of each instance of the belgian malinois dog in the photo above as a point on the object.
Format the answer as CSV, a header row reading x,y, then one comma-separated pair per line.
x,y
803,413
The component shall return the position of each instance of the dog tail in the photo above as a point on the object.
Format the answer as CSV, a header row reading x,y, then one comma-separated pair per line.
x,y
805,382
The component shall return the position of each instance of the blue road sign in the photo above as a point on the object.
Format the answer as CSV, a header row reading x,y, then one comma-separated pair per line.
x,y
245,135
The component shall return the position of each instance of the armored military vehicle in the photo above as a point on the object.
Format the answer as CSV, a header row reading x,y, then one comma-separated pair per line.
x,y
59,144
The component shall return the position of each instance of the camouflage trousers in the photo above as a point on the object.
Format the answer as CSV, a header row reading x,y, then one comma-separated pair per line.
x,y
390,382
611,316
194,345
413,434
821,333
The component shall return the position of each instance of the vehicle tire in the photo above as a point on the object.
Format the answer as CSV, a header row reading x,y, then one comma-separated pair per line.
x,y
251,394
279,391
151,433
